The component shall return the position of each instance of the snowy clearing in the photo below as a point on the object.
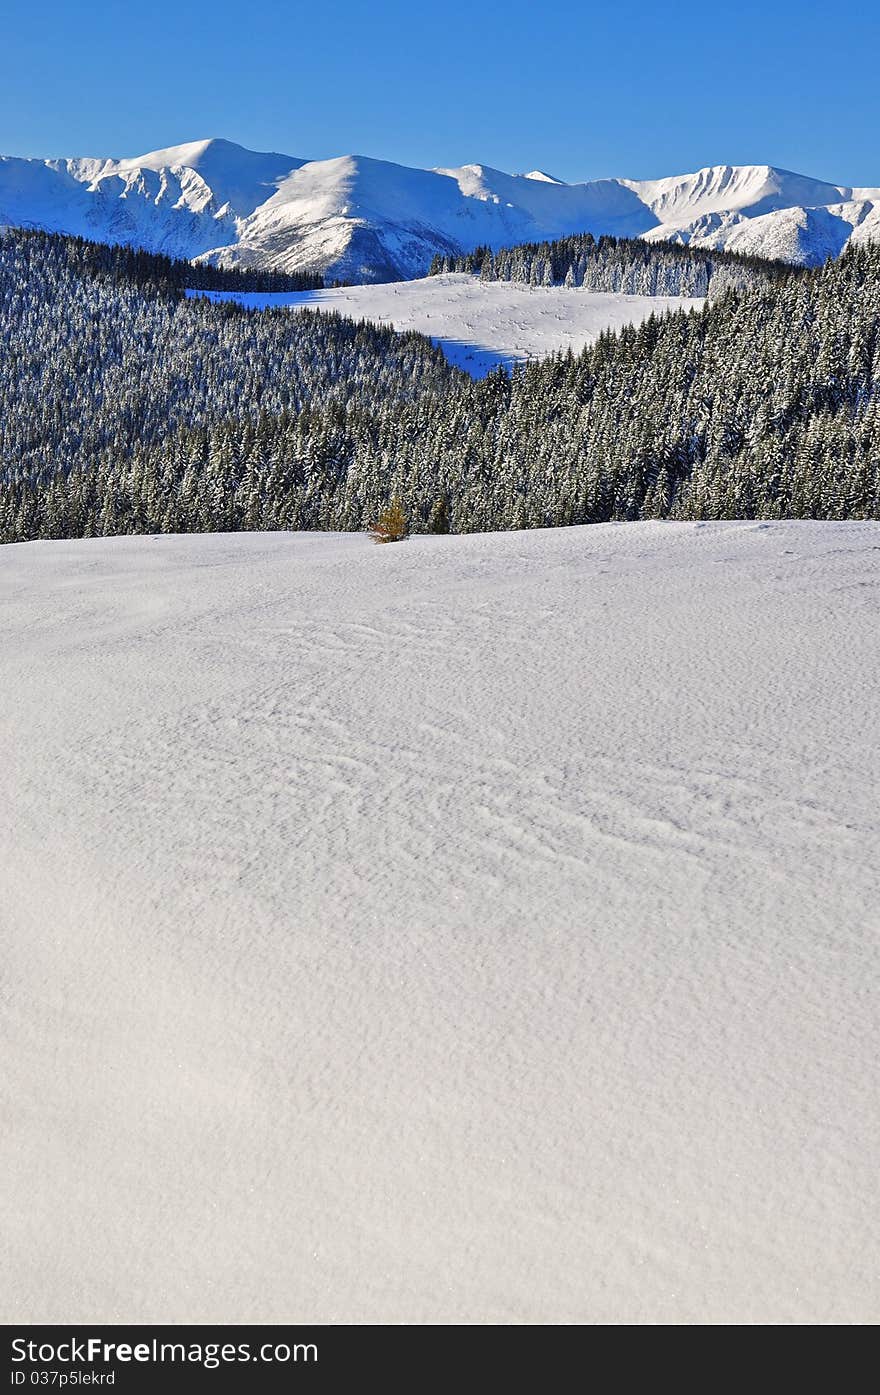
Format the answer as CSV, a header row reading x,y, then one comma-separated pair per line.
x,y
479,324
476,929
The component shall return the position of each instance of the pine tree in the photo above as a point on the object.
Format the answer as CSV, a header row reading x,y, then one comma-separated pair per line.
x,y
439,519
391,525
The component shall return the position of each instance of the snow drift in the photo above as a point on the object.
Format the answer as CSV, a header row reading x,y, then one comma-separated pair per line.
x,y
475,929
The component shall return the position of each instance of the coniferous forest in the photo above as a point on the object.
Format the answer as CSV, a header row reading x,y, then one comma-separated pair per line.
x,y
126,407
625,265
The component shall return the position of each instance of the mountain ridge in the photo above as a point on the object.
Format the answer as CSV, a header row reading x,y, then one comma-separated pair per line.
x,y
356,218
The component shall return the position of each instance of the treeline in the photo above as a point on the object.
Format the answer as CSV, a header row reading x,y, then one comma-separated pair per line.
x,y
124,409
199,276
132,266
628,266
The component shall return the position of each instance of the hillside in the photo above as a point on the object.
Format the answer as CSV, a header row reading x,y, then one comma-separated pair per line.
x,y
483,927
127,408
478,326
358,219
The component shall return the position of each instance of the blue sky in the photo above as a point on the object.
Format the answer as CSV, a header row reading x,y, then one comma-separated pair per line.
x,y
580,90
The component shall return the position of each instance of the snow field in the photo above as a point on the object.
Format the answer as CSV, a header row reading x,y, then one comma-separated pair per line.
x,y
479,929
478,324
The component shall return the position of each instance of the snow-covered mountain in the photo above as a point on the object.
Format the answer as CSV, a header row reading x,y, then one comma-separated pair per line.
x,y
360,219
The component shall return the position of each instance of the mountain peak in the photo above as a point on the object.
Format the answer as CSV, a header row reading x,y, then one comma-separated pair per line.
x,y
193,154
239,179
362,219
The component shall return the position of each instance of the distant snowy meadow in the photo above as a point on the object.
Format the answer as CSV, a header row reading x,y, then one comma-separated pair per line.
x,y
478,324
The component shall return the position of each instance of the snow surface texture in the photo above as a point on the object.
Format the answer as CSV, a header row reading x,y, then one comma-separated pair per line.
x,y
358,219
475,929
479,324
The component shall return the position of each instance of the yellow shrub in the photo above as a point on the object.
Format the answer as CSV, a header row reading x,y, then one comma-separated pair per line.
x,y
392,525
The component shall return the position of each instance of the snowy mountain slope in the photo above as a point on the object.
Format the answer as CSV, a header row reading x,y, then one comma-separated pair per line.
x,y
806,236
238,179
182,201
480,929
751,190
478,324
360,219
